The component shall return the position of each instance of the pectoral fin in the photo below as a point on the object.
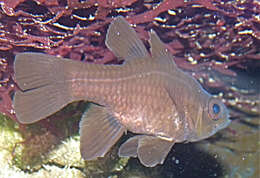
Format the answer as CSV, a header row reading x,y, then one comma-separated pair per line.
x,y
123,40
99,131
153,150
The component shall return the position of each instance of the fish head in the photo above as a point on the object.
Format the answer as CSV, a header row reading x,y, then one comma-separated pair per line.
x,y
212,116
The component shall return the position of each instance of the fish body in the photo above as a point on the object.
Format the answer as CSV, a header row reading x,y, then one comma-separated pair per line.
x,y
147,95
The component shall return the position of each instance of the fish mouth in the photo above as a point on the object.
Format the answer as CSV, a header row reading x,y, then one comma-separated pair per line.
x,y
220,127
224,124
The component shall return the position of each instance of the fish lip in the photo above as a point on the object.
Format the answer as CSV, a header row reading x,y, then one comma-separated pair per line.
x,y
226,123
220,127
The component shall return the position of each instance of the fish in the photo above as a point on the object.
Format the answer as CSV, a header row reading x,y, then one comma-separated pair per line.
x,y
147,95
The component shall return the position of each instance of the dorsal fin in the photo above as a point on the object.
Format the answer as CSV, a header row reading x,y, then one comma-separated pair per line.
x,y
159,52
123,41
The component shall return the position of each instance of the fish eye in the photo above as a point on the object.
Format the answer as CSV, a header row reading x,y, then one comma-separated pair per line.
x,y
214,109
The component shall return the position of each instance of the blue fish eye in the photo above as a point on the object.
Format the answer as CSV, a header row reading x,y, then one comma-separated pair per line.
x,y
216,108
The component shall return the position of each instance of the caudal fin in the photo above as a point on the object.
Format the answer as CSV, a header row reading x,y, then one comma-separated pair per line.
x,y
43,83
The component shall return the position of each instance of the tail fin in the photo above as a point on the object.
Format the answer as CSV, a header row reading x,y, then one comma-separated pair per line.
x,y
42,81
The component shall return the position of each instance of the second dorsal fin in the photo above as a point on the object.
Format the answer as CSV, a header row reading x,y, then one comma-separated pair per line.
x,y
160,52
123,41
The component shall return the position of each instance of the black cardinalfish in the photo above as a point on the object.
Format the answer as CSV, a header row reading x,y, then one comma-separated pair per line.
x,y
147,95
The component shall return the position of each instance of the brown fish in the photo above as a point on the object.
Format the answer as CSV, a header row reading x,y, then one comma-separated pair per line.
x,y
147,95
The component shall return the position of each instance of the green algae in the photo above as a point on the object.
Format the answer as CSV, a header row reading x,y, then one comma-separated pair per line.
x,y
36,151
43,137
10,136
12,152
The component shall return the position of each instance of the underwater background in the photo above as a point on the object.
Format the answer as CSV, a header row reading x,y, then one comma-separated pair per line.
x,y
218,42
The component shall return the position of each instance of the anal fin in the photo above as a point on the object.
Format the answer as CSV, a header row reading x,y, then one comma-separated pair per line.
x,y
153,150
129,148
99,131
149,149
